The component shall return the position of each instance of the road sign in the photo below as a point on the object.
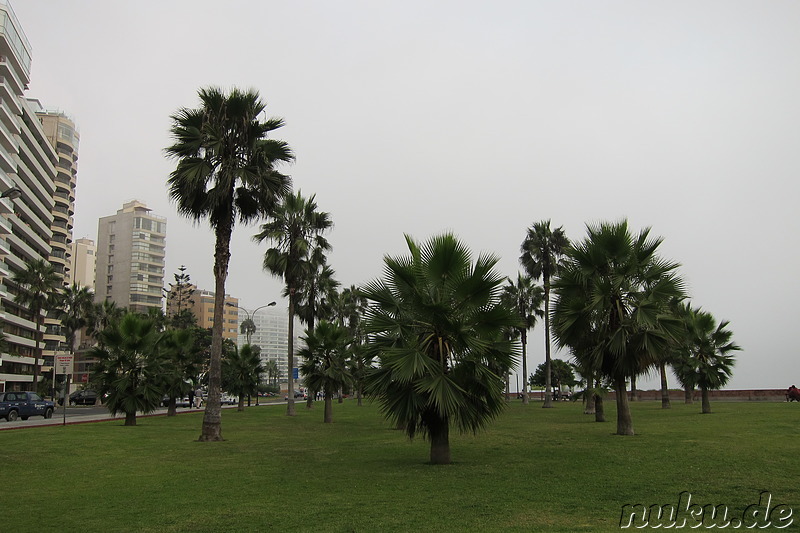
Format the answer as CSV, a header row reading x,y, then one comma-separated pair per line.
x,y
64,364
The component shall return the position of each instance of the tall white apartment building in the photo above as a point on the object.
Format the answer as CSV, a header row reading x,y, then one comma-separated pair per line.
x,y
28,167
272,336
131,251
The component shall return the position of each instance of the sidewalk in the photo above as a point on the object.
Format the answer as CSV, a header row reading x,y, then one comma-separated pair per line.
x,y
58,417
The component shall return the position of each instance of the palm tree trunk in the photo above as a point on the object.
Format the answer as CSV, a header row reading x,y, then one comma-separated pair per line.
x,y
664,390
599,407
359,394
240,407
212,417
548,396
634,394
130,419
624,421
328,407
37,354
590,403
688,394
508,387
290,397
524,338
706,400
172,407
440,443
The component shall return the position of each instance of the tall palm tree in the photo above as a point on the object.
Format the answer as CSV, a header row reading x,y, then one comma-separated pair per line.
x,y
315,295
436,324
182,363
613,306
226,171
38,286
74,307
348,308
241,372
325,362
129,367
295,230
525,298
541,252
711,360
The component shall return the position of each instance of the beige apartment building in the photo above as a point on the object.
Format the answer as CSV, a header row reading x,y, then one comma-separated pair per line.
x,y
60,131
201,304
130,258
84,263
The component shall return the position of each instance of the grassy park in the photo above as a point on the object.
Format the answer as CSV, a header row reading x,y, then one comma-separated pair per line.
x,y
532,470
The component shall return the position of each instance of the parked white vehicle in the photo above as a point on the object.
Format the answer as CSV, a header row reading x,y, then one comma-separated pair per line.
x,y
227,399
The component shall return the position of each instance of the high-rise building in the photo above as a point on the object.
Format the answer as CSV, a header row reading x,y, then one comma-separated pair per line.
x,y
61,132
130,258
272,337
28,168
84,262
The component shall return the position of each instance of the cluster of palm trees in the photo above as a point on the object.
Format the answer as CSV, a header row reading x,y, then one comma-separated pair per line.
x,y
442,328
41,290
227,171
621,310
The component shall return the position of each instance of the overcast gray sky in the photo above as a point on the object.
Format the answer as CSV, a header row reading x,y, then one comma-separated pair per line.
x,y
476,117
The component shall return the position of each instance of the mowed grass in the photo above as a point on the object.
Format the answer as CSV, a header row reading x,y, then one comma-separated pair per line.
x,y
533,470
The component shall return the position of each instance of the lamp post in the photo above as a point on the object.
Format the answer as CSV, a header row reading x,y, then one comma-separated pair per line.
x,y
250,314
248,332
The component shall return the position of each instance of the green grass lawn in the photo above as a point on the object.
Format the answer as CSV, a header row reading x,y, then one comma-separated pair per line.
x,y
533,470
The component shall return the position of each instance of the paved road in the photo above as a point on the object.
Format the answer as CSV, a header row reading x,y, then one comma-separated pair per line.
x,y
84,414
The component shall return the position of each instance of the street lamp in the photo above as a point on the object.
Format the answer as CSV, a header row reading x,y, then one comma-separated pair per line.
x,y
248,332
250,314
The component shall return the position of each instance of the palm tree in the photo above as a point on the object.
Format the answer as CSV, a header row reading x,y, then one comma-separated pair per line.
x,y
38,291
226,171
436,325
241,372
295,229
541,252
272,371
710,362
182,363
347,310
613,306
129,367
325,366
314,297
74,307
525,298
102,315
248,327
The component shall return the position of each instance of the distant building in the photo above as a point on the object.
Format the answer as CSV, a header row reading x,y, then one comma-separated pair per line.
x,y
84,263
272,337
201,304
130,258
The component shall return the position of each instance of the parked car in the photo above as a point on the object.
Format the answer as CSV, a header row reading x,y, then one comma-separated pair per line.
x,y
227,399
81,397
22,405
179,402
